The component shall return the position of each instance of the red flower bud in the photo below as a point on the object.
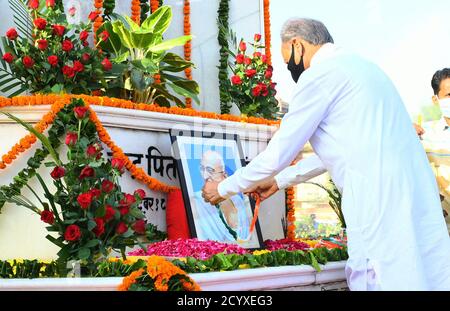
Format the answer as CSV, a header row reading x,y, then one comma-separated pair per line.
x,y
257,37
53,60
48,217
242,46
40,23
91,151
85,57
42,44
250,73
107,65
85,200
8,57
27,61
86,172
71,138
33,4
268,74
93,15
100,227
78,66
58,172
236,80
121,228
12,34
84,35
72,11
240,58
256,54
117,164
68,72
140,193
247,61
107,186
72,233
264,59
104,36
109,213
80,112
50,3
67,45
139,226
96,193
59,30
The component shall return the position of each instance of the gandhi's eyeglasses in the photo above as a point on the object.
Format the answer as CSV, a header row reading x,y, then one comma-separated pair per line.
x,y
209,170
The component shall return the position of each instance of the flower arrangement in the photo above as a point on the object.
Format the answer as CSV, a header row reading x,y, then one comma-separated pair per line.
x,y
51,57
88,211
189,247
286,244
159,275
251,84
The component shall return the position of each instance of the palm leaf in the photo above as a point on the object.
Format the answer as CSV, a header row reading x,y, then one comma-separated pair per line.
x,y
22,18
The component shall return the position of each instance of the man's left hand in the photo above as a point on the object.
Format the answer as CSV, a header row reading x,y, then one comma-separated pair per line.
x,y
210,193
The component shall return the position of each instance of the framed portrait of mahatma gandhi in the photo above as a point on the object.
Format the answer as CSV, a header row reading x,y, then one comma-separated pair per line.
x,y
214,156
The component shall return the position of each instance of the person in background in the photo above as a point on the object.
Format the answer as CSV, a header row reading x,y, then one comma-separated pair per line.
x,y
436,139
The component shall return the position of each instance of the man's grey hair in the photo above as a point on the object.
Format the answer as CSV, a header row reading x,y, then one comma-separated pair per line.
x,y
312,31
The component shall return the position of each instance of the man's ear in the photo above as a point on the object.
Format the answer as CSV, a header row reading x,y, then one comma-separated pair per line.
x,y
435,100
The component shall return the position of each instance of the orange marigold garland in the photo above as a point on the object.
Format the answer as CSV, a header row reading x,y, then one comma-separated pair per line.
x,y
290,204
161,271
98,4
136,11
154,5
188,45
267,33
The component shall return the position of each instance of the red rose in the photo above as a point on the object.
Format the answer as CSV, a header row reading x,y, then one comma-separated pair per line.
x,y
107,186
53,60
91,151
58,172
85,43
42,44
139,226
272,86
12,34
68,72
264,89
236,80
93,15
106,64
256,54
48,217
268,74
78,66
85,57
86,172
247,61
71,138
72,11
27,61
104,36
242,46
117,164
96,193
256,91
59,30
130,199
50,3
72,233
33,4
80,112
264,59
8,57
257,37
250,73
40,23
140,193
67,45
124,210
109,213
240,58
85,200
84,35
100,227
121,228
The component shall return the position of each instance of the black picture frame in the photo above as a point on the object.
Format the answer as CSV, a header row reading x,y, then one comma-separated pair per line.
x,y
181,167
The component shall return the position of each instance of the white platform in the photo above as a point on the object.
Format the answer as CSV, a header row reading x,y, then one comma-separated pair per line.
x,y
276,278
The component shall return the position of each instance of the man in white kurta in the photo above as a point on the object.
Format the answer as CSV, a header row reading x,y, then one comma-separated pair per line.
x,y
357,124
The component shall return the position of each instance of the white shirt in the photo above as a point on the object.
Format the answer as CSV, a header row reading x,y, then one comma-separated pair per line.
x,y
357,124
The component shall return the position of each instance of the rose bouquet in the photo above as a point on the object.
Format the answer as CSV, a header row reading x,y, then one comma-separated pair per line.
x,y
49,55
88,211
251,84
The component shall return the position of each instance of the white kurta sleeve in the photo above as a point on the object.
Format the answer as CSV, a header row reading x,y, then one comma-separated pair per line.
x,y
302,171
307,109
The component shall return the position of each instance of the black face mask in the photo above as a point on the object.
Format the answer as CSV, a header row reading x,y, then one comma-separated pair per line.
x,y
295,69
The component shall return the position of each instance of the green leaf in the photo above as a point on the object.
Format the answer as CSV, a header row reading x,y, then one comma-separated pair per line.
x,y
122,57
113,44
91,225
145,40
158,21
169,44
136,213
184,92
123,33
132,24
92,243
84,253
100,212
314,262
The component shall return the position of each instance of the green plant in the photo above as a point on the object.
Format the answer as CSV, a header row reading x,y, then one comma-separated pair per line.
x,y
88,211
335,200
47,54
146,71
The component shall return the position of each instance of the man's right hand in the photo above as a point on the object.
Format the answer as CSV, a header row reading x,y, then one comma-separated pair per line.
x,y
265,189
